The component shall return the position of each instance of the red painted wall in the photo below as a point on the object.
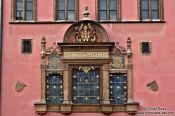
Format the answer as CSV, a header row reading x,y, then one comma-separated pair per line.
x,y
159,66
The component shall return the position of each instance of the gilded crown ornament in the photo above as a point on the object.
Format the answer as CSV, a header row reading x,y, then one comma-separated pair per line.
x,y
85,33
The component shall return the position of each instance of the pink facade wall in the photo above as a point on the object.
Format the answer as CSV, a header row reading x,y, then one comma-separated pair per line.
x,y
159,66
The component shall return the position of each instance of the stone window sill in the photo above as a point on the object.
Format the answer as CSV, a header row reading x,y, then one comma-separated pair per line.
x,y
130,108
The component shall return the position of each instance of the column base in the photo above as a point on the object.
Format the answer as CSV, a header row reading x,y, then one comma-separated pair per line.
x,y
66,108
106,107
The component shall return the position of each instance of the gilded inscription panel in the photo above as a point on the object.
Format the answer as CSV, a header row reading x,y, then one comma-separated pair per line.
x,y
86,54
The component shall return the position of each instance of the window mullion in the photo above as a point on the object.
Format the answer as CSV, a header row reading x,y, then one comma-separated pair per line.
x,y
66,10
24,9
108,10
149,9
159,9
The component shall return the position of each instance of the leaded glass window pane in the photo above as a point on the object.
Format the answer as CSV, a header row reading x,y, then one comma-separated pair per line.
x,y
71,15
145,14
86,86
113,15
19,10
61,5
71,4
54,89
154,5
103,4
108,9
144,5
118,88
150,9
24,13
103,15
113,4
66,12
155,14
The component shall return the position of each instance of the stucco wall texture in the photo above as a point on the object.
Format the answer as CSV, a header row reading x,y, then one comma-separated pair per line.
x,y
159,66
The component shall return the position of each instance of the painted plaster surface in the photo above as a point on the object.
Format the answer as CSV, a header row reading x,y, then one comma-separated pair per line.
x,y
159,66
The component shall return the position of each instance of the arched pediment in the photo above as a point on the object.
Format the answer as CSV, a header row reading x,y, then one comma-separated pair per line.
x,y
85,31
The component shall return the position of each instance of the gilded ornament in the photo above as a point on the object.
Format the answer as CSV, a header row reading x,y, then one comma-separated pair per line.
x,y
85,33
54,62
86,69
118,62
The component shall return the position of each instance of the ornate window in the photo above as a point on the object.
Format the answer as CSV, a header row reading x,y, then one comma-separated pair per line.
x,y
24,10
108,10
66,10
78,76
151,10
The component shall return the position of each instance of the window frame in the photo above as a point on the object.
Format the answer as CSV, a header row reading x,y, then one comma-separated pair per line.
x,y
118,12
66,12
34,10
105,107
160,11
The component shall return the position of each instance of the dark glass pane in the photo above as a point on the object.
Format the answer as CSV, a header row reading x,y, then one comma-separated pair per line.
x,y
144,4
61,15
145,47
19,15
144,14
26,46
113,15
85,86
71,15
113,4
103,15
71,4
29,15
155,14
19,5
54,89
103,4
154,4
29,5
118,88
61,5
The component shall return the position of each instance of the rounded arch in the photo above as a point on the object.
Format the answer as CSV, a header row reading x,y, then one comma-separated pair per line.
x,y
85,31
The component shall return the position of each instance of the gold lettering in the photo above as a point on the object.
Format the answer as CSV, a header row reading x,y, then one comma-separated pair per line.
x,y
86,54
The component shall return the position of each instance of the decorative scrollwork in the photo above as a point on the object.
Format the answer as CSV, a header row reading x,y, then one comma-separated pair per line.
x,y
118,61
86,69
54,49
54,62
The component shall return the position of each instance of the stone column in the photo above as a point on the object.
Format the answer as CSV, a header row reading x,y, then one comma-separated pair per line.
x,y
66,107
105,99
43,69
106,107
41,106
130,71
66,84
